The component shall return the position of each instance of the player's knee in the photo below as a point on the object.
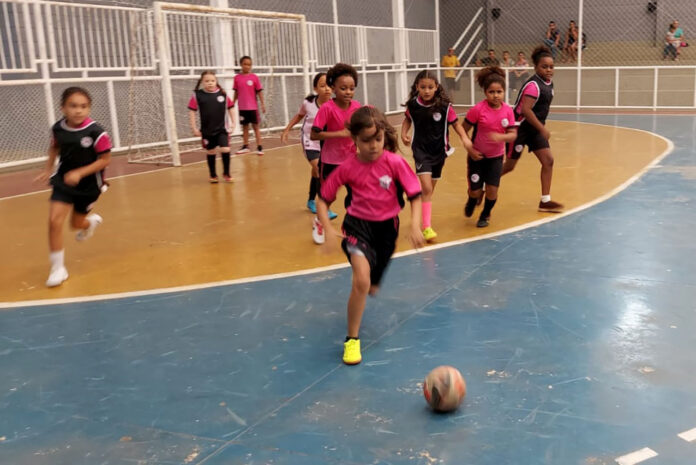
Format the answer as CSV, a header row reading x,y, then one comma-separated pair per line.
x,y
361,283
548,162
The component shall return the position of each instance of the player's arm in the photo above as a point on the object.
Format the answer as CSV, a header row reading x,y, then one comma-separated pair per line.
x,y
73,177
466,141
529,116
405,129
263,103
46,173
193,123
416,233
318,134
295,119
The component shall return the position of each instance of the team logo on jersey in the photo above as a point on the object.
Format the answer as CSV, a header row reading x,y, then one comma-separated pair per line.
x,y
385,181
220,98
437,116
250,82
86,142
505,122
475,177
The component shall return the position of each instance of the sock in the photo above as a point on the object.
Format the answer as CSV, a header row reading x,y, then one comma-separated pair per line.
x,y
546,198
57,259
427,211
313,187
259,148
471,202
211,166
487,207
225,164
348,338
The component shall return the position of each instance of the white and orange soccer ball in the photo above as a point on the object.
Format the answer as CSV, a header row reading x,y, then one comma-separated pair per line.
x,y
444,388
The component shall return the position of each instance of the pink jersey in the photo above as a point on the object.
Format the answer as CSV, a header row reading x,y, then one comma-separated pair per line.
x,y
247,86
376,186
487,120
331,118
310,110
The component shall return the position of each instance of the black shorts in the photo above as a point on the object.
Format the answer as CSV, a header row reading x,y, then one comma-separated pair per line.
x,y
375,240
429,164
486,170
529,136
248,117
82,202
312,154
210,142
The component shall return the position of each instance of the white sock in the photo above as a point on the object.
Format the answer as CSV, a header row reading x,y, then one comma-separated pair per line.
x,y
56,259
546,198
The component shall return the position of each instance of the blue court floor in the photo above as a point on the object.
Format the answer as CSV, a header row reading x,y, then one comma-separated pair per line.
x,y
576,339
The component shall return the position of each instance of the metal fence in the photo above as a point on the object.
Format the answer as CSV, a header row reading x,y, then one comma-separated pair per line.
x,y
132,74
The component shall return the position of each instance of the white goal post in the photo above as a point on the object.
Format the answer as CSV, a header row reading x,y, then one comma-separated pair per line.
x,y
193,38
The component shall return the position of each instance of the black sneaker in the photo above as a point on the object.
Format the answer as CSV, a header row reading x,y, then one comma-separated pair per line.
x,y
482,222
550,207
469,208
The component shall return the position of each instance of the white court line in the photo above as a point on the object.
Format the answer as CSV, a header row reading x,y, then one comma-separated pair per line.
x,y
637,456
689,435
553,217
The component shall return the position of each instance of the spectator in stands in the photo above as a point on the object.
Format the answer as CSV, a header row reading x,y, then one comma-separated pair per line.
x,y
490,60
520,75
570,46
553,38
679,34
508,62
671,43
450,61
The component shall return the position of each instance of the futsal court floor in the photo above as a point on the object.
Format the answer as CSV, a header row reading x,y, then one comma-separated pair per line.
x,y
575,333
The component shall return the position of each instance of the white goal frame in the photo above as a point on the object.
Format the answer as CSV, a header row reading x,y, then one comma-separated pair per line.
x,y
164,55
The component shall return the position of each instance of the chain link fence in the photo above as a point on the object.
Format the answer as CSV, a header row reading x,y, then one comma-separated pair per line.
x,y
624,53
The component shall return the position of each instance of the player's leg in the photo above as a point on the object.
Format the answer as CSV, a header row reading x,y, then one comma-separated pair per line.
x,y
57,213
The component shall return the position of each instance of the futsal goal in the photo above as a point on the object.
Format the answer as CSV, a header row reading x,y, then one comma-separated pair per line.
x,y
189,39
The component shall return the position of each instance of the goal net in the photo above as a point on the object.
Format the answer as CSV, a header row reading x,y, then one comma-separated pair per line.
x,y
190,39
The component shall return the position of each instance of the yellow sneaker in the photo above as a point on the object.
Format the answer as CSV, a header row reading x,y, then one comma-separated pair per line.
x,y
351,352
429,234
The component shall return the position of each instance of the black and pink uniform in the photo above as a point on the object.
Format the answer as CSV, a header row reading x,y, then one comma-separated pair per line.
x,y
212,107
430,142
542,93
371,225
78,147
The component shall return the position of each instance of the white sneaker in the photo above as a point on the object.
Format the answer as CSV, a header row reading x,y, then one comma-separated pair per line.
x,y
244,149
318,231
57,276
94,221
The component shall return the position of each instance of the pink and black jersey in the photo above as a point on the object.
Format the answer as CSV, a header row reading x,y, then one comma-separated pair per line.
x,y
430,128
377,186
330,118
541,91
487,120
213,110
310,109
247,86
78,147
